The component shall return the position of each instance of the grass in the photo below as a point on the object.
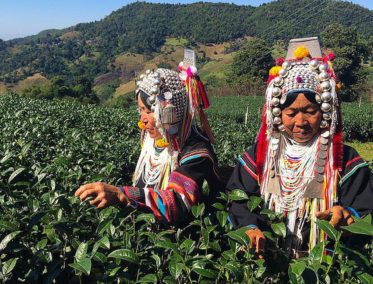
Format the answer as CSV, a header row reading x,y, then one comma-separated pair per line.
x,y
176,41
364,149
217,68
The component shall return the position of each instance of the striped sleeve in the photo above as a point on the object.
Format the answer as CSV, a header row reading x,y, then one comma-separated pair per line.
x,y
172,205
356,183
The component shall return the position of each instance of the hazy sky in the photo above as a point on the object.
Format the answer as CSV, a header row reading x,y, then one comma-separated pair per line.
x,y
19,18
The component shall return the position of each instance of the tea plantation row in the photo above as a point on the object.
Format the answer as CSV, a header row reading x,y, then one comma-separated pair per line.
x,y
49,148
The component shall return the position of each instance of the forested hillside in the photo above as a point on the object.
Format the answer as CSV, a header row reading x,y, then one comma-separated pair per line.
x,y
142,28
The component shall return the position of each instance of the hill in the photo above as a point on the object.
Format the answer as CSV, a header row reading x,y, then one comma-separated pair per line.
x,y
97,49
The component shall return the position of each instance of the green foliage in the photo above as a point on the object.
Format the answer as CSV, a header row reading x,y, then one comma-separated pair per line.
x,y
57,88
253,60
349,51
144,27
49,148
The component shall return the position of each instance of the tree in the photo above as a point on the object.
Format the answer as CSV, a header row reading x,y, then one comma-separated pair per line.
x,y
250,67
349,52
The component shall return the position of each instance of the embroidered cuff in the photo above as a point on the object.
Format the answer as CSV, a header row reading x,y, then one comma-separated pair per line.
x,y
252,226
353,211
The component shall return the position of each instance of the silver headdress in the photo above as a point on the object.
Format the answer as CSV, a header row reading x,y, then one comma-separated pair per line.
x,y
306,72
166,96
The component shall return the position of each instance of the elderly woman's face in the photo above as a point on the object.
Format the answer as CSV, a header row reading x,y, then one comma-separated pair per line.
x,y
302,119
147,117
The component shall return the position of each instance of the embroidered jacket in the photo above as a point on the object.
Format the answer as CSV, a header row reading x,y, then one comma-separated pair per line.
x,y
197,162
355,188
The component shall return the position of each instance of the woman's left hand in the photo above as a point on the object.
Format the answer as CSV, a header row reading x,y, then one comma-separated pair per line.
x,y
340,216
103,194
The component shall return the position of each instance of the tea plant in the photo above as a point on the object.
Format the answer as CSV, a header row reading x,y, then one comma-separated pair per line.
x,y
48,149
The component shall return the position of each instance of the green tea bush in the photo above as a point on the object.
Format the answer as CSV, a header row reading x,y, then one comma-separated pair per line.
x,y
49,148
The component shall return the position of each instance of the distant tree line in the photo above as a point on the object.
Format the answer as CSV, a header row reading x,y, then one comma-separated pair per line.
x,y
142,28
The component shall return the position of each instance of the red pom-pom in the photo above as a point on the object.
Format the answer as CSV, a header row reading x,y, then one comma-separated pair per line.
x,y
331,56
180,67
279,61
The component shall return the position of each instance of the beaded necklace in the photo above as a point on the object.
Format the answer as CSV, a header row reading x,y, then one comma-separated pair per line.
x,y
296,166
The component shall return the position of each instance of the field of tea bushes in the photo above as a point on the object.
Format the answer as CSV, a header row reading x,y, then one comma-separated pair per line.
x,y
49,148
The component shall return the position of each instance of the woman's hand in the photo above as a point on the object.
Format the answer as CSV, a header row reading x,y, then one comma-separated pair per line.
x,y
103,194
339,216
257,241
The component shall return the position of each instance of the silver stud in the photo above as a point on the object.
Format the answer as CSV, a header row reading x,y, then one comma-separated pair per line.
x,y
283,72
154,90
147,72
314,64
323,124
326,116
323,67
325,86
326,97
277,120
278,81
281,127
276,92
323,76
275,101
318,99
150,100
157,81
286,65
276,111
325,107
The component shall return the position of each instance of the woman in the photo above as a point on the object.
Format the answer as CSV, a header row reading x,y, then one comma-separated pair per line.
x,y
299,164
176,157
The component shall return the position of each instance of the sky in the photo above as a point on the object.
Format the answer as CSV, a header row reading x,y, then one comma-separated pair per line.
x,y
20,18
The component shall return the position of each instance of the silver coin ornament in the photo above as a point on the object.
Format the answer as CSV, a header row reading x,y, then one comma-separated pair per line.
x,y
325,107
278,81
157,81
323,76
314,64
286,65
276,111
275,101
325,86
276,92
323,124
168,95
283,72
326,116
150,100
323,67
318,99
277,120
281,127
154,90
326,97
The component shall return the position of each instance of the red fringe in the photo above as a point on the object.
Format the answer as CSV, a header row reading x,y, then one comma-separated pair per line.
x,y
203,95
338,142
206,126
262,146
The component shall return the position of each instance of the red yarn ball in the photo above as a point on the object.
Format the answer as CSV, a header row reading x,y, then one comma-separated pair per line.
x,y
279,61
331,56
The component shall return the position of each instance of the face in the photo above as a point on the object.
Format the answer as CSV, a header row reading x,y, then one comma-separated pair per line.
x,y
147,117
302,119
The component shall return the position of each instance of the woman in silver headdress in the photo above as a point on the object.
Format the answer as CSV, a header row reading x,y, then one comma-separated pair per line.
x,y
299,165
176,155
